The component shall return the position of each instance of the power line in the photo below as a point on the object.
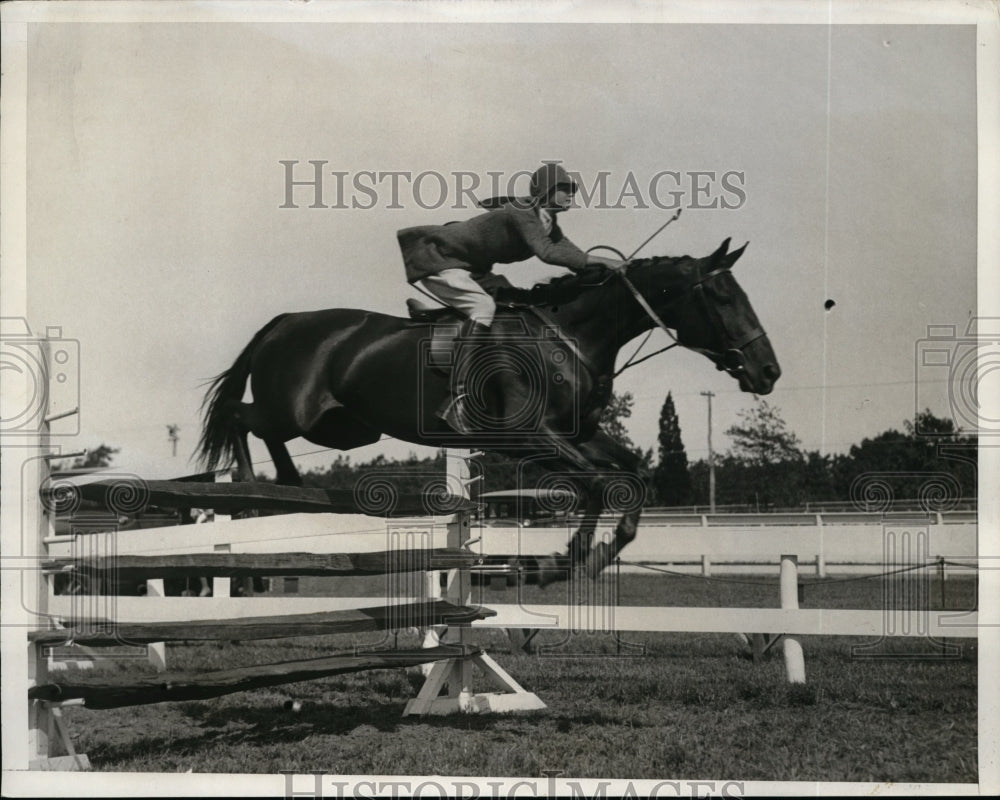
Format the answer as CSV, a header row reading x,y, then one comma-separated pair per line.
x,y
784,388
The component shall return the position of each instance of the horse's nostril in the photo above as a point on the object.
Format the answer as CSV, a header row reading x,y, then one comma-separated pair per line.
x,y
772,371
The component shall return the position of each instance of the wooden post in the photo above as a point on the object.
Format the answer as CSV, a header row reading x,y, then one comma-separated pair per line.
x,y
457,673
156,652
42,744
795,664
821,555
222,587
432,634
49,746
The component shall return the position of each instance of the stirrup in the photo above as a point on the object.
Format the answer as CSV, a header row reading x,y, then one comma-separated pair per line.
x,y
453,412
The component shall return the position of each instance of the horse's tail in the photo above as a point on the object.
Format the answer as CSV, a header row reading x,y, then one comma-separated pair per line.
x,y
216,448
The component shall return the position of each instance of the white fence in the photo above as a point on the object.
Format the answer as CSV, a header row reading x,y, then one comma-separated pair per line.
x,y
844,543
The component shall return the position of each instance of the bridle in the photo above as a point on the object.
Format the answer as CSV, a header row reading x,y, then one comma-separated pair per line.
x,y
732,359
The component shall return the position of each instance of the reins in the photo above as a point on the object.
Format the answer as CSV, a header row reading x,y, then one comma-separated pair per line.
x,y
632,361
732,360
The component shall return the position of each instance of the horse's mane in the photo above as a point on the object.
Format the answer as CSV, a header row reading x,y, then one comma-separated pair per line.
x,y
564,288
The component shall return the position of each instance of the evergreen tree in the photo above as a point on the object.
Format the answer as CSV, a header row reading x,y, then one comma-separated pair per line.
x,y
671,478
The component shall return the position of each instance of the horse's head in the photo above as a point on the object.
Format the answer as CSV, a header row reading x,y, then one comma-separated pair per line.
x,y
702,301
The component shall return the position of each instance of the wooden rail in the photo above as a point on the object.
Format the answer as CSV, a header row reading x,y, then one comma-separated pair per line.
x,y
230,498
175,686
96,632
133,567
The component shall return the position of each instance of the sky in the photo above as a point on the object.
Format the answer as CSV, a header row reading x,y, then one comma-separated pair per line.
x,y
156,237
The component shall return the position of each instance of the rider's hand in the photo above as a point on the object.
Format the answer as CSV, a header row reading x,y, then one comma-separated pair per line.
x,y
610,263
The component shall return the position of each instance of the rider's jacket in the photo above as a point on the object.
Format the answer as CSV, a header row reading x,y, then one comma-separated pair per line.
x,y
511,232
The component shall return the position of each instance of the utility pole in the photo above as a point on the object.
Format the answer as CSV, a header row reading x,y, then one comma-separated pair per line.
x,y
711,455
172,433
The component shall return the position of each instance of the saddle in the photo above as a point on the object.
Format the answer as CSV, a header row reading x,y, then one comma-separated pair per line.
x,y
510,302
446,322
421,311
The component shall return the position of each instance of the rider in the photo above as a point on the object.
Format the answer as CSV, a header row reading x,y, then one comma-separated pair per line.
x,y
449,260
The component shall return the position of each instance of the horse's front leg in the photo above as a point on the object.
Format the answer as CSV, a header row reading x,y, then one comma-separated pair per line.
x,y
624,491
568,458
607,472
606,552
580,542
583,538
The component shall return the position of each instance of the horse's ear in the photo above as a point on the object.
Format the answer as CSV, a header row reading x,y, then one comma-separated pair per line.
x,y
723,249
731,258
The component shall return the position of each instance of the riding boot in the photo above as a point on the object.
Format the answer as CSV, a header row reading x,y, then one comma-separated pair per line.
x,y
454,410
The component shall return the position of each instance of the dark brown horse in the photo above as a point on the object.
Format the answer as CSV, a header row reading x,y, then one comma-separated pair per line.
x,y
342,378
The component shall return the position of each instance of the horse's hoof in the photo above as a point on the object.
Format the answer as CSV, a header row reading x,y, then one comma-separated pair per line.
x,y
548,570
599,558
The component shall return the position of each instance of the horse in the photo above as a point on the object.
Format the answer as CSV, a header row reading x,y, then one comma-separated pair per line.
x,y
343,378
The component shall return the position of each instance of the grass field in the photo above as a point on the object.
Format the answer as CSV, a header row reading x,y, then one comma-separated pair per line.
x,y
654,706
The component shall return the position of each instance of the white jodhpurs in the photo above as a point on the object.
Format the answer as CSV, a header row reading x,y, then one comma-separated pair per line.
x,y
458,289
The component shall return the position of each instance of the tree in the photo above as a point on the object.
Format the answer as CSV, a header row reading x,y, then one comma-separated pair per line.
x,y
905,460
912,464
671,478
817,477
619,408
762,437
764,468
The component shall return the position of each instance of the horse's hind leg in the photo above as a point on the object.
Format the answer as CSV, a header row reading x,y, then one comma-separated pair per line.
x,y
250,419
241,426
241,449
244,467
288,475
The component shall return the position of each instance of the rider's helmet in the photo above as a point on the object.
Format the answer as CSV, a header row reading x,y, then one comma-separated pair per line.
x,y
547,178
